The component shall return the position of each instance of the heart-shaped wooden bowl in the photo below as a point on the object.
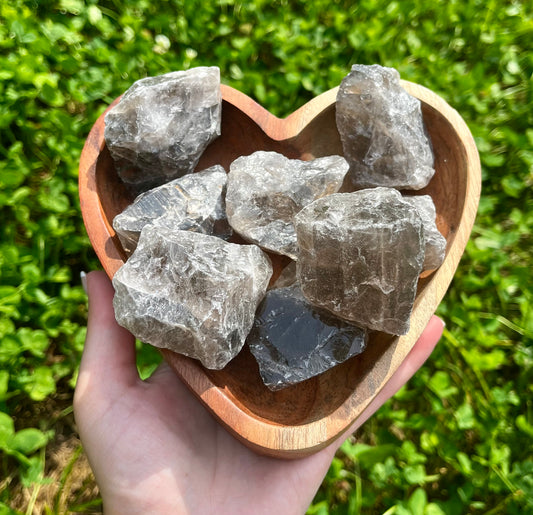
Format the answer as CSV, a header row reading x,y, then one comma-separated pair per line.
x,y
304,418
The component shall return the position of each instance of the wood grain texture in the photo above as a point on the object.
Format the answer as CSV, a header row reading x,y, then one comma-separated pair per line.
x,y
304,418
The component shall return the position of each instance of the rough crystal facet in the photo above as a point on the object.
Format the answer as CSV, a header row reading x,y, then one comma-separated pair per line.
x,y
266,190
360,257
194,202
292,341
382,131
435,241
162,125
192,293
287,277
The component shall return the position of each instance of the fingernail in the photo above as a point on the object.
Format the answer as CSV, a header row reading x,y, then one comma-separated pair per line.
x,y
83,278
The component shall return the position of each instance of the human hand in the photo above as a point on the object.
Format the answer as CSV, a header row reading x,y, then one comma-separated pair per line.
x,y
155,449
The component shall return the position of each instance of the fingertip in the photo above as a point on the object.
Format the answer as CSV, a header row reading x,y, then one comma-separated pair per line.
x,y
83,280
420,352
429,337
418,355
438,320
100,292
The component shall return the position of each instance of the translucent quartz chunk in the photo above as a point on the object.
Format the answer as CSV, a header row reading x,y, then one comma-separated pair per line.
x,y
162,125
266,190
292,341
382,131
435,241
194,202
360,257
287,277
191,293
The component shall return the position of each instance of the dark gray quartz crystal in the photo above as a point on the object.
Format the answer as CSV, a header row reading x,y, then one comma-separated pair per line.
x,y
360,257
382,131
266,190
191,293
292,341
162,125
435,241
194,202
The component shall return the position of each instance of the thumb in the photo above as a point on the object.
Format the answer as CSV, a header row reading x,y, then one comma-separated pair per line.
x,y
108,358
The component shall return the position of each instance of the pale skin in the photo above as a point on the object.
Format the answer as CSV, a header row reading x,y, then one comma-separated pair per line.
x,y
155,449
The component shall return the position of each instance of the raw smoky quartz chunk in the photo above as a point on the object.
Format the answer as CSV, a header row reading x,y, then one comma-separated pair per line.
x,y
266,190
382,131
287,277
292,341
435,241
360,257
162,125
194,202
191,293
356,257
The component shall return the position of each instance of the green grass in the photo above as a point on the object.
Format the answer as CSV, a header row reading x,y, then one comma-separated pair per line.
x,y
457,439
